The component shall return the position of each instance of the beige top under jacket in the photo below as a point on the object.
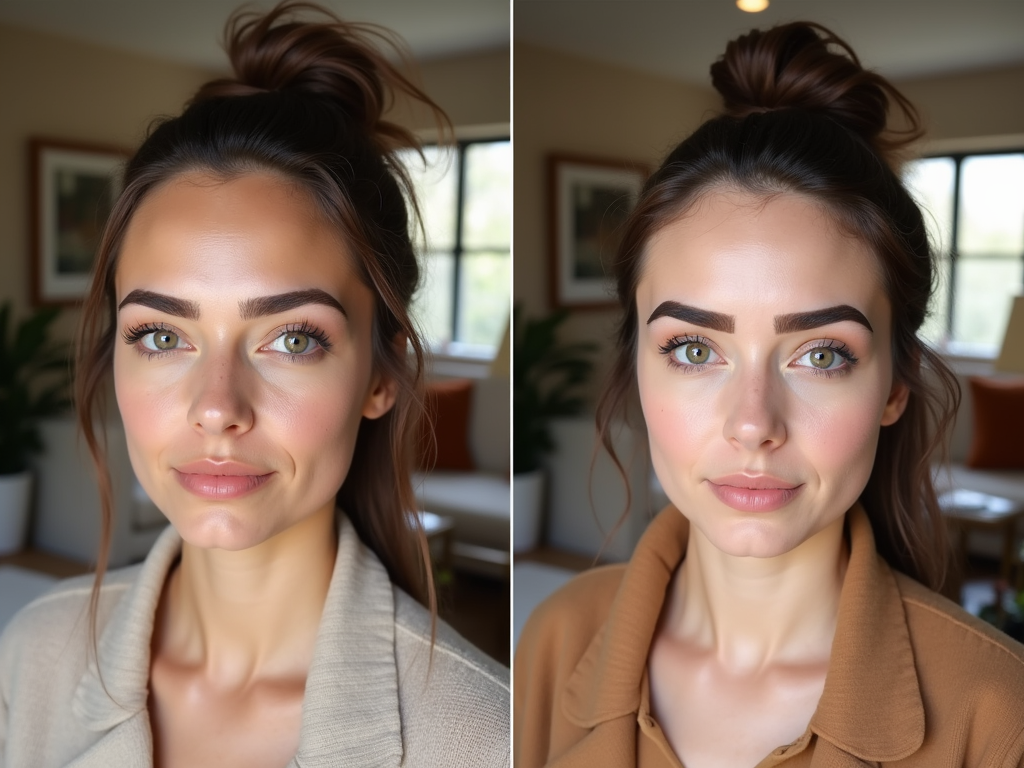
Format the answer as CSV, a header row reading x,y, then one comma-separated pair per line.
x,y
369,699
913,680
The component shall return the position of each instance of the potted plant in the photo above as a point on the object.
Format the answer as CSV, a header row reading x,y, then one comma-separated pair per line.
x,y
33,384
547,378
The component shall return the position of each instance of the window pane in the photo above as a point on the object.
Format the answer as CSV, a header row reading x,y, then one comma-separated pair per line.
x,y
432,306
983,291
484,298
992,206
435,185
488,214
930,181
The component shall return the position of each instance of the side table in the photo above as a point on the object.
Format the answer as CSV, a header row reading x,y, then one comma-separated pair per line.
x,y
966,510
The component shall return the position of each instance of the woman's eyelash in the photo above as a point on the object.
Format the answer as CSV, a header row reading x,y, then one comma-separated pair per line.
x,y
677,341
134,333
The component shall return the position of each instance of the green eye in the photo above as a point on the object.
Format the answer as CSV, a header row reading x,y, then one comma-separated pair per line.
x,y
692,353
296,343
164,340
822,357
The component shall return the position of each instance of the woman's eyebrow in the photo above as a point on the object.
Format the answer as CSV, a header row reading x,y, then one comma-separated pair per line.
x,y
705,318
798,321
162,303
282,302
805,321
248,309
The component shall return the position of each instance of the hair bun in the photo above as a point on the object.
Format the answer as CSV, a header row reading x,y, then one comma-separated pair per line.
x,y
803,65
329,58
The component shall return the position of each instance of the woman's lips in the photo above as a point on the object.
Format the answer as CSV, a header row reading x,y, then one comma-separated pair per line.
x,y
760,493
220,480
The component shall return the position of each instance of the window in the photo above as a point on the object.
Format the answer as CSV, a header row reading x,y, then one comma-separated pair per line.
x,y
974,209
465,198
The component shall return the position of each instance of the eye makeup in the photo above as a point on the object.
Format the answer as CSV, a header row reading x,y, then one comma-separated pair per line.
x,y
133,336
841,351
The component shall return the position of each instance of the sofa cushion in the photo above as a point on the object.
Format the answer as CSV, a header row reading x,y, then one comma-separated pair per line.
x,y
489,424
998,439
478,502
446,447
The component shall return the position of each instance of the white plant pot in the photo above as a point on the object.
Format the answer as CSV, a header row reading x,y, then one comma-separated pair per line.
x,y
527,509
15,495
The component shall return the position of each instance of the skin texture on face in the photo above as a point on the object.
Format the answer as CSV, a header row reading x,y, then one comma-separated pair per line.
x,y
737,397
219,376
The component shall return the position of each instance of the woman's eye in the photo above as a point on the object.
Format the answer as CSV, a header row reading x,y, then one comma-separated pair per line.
x,y
160,341
822,358
294,343
693,353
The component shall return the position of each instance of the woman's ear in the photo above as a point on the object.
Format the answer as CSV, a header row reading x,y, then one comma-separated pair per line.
x,y
896,404
381,397
383,388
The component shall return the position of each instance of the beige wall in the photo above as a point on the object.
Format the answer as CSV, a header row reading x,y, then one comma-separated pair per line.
x,y
570,105
57,88
53,87
970,105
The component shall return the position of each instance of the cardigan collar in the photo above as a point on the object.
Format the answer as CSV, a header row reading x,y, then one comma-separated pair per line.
x,y
871,676
350,710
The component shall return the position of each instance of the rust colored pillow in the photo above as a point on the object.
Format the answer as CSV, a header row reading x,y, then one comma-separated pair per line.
x,y
448,405
998,440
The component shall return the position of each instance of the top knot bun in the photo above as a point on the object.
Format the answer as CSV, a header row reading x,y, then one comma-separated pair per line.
x,y
330,58
791,66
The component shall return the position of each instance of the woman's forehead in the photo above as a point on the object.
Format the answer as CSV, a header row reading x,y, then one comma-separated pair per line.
x,y
254,230
738,253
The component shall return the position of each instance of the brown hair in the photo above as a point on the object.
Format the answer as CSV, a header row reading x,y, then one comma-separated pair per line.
x,y
306,102
802,116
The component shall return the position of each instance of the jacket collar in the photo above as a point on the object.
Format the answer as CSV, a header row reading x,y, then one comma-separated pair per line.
x,y
871,677
350,711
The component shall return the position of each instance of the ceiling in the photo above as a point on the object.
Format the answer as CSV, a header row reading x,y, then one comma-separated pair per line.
x,y
188,31
681,38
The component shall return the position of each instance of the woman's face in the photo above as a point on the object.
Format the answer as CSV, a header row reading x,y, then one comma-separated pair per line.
x,y
764,368
243,359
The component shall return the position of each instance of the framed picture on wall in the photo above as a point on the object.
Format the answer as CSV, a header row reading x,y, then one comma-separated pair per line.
x,y
589,201
73,188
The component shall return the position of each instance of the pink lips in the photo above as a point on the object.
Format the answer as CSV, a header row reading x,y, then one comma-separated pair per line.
x,y
211,479
754,493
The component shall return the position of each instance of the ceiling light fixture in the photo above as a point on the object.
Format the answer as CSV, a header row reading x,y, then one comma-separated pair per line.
x,y
752,6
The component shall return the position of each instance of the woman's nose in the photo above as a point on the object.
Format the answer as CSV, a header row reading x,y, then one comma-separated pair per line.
x,y
221,399
754,418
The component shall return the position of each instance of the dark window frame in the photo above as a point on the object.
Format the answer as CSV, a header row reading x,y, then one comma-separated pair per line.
x,y
958,158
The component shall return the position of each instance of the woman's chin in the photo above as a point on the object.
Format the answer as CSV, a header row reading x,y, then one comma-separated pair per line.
x,y
221,529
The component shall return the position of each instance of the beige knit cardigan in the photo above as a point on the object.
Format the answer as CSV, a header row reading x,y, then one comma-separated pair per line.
x,y
373,697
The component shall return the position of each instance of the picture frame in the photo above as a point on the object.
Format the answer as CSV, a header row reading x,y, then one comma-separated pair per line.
x,y
73,187
590,199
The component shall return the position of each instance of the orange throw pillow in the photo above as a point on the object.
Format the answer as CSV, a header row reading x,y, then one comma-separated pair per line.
x,y
998,440
447,409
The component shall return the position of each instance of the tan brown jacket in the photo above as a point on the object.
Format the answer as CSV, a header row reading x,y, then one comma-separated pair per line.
x,y
913,679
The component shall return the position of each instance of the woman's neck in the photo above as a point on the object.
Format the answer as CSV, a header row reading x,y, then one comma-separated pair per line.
x,y
251,614
751,613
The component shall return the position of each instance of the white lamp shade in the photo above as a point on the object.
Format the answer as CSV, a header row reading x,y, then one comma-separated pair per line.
x,y
1011,356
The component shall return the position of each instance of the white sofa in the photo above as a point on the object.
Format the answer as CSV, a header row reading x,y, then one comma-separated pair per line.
x,y
479,501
